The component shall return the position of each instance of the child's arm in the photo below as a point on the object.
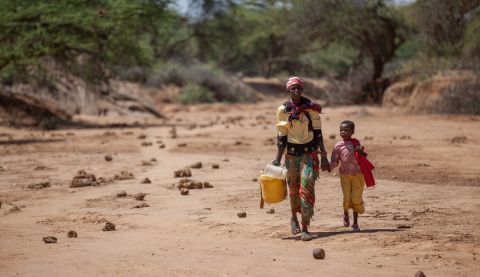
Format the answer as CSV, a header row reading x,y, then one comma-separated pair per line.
x,y
335,158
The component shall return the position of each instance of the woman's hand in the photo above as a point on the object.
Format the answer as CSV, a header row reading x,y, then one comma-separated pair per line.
x,y
276,162
324,164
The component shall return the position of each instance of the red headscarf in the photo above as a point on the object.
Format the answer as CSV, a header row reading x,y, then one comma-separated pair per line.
x,y
294,81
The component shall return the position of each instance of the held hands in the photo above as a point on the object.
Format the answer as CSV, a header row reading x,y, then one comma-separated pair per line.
x,y
324,164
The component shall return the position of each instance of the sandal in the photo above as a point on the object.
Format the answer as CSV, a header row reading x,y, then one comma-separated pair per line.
x,y
294,227
355,228
306,236
346,221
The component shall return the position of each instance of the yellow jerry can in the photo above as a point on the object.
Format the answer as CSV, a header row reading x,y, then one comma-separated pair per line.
x,y
273,190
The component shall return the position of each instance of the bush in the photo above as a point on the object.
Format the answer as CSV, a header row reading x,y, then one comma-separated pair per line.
x,y
192,94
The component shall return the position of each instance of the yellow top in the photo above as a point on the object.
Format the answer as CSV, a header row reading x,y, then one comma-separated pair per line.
x,y
297,132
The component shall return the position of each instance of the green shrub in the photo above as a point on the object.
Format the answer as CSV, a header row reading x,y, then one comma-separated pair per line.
x,y
192,94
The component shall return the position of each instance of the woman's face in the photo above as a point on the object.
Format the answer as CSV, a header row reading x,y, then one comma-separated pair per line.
x,y
295,92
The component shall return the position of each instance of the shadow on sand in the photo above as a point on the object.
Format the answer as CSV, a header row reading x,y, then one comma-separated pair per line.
x,y
317,235
28,141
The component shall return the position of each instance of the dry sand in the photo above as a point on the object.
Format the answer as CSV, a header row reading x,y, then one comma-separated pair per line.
x,y
425,182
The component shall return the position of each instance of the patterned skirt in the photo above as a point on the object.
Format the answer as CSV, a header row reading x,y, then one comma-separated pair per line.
x,y
302,173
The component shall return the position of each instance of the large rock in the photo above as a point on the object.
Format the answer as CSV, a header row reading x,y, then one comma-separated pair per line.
x,y
453,92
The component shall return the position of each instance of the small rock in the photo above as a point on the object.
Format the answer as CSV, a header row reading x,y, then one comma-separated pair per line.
x,y
459,139
404,226
238,142
182,145
242,214
108,158
319,253
254,179
184,191
420,274
215,166
72,234
226,160
83,179
332,137
146,144
14,209
207,185
147,163
39,185
50,239
196,165
141,205
122,194
146,181
271,211
154,160
394,177
142,136
109,226
140,196
161,146
124,175
186,172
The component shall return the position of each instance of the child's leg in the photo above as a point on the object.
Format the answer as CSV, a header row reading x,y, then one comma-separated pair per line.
x,y
357,199
346,183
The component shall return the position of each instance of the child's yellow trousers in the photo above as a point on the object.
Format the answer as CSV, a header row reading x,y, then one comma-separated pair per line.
x,y
352,187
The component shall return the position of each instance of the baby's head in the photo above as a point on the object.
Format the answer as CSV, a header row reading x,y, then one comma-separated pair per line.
x,y
347,128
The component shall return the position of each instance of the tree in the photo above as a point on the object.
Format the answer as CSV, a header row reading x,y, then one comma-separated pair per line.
x,y
371,27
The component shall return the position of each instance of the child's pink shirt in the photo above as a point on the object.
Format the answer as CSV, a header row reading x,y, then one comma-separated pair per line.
x,y
343,152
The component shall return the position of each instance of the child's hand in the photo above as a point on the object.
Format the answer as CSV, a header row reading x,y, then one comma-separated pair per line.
x,y
359,148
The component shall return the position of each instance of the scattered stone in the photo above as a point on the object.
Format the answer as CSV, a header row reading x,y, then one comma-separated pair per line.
x,y
153,160
394,177
404,226
145,143
108,158
173,132
0,204
140,196
142,136
271,211
141,205
254,180
184,191
368,138
147,163
182,145
161,146
186,172
146,181
14,209
420,274
129,133
459,139
109,226
215,166
207,185
124,175
72,234
226,160
190,184
50,239
405,137
196,165
41,185
122,194
83,179
242,214
319,253
104,181
1,168
38,167
238,142
332,137
109,134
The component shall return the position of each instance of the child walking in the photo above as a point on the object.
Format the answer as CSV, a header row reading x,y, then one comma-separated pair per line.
x,y
355,171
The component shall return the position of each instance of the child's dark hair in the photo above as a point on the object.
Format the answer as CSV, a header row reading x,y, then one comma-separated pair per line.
x,y
349,123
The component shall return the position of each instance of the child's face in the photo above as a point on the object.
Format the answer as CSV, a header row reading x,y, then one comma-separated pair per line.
x,y
346,131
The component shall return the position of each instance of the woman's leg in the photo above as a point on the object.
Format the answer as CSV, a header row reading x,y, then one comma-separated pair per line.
x,y
293,165
310,174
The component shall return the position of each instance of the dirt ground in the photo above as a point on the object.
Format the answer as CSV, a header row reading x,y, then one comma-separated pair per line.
x,y
428,183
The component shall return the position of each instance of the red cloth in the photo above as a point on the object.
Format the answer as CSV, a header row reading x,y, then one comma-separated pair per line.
x,y
365,166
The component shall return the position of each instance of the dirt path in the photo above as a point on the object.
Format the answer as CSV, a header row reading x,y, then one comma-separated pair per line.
x,y
426,182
